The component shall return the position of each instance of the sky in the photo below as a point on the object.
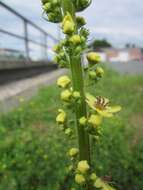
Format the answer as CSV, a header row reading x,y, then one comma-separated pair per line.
x,y
119,21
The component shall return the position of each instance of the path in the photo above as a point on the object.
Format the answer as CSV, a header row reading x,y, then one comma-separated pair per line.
x,y
10,93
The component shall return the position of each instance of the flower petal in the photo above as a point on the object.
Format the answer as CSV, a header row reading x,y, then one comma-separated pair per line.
x,y
114,109
104,113
90,98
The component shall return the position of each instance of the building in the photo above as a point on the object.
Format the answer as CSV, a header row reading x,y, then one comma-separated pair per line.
x,y
11,54
121,55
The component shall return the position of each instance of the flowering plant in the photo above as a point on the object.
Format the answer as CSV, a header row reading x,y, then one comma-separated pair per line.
x,y
89,111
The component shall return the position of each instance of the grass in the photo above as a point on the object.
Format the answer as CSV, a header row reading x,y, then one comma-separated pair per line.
x,y
33,149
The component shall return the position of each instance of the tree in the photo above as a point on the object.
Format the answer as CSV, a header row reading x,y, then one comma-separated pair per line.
x,y
96,44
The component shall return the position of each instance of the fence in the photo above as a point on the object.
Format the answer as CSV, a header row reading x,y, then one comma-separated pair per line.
x,y
25,38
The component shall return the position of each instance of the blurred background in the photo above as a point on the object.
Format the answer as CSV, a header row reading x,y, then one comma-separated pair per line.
x,y
31,157
119,22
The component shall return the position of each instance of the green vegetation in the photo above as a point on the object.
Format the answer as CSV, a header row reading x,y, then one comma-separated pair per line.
x,y
33,149
97,44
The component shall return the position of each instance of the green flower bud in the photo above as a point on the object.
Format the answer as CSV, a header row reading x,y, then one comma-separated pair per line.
x,y
63,64
73,152
84,32
78,49
75,39
60,59
96,138
44,1
57,48
99,72
95,120
93,58
56,59
66,95
83,166
68,132
81,4
93,177
79,179
68,27
62,55
99,183
76,95
80,21
92,74
68,24
47,7
51,17
70,168
61,117
63,81
65,42
55,2
83,121
83,39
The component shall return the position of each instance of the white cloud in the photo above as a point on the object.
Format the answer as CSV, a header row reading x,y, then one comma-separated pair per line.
x,y
131,32
118,20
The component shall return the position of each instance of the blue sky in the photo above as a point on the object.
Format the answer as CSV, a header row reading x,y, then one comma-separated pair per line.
x,y
120,21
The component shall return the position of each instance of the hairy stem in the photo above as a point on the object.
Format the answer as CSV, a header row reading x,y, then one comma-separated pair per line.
x,y
78,85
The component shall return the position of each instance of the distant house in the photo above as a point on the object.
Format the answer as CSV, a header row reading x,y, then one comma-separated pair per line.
x,y
121,55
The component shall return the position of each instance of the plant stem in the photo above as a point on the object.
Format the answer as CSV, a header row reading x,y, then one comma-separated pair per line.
x,y
78,85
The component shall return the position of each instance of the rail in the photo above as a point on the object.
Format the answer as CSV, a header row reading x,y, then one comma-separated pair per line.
x,y
26,39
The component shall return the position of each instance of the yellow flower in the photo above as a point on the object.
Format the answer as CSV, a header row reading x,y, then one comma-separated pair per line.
x,y
83,166
68,24
73,152
82,121
95,120
99,72
66,95
61,117
63,81
93,57
75,39
101,105
79,179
